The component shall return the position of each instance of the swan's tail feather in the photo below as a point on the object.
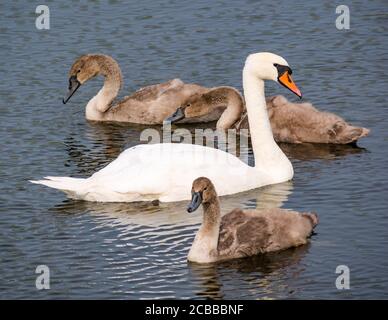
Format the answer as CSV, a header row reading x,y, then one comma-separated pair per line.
x,y
312,217
344,133
354,133
364,132
73,187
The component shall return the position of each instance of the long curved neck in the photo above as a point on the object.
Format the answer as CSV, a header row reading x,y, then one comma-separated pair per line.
x,y
205,244
211,218
266,152
100,103
233,111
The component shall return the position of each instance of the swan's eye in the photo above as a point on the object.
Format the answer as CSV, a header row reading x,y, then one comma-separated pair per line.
x,y
275,65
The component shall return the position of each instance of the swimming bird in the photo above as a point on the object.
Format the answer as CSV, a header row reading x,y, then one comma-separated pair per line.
x,y
290,122
243,233
163,171
227,100
149,105
303,123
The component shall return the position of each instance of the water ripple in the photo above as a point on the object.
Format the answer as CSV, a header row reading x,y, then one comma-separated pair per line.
x,y
138,251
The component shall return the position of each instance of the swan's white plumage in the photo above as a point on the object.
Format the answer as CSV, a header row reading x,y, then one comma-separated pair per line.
x,y
161,172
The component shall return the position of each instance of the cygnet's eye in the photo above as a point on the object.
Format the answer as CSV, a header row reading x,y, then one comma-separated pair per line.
x,y
79,70
188,105
204,189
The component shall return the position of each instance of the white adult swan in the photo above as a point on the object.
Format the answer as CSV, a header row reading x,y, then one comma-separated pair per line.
x,y
164,172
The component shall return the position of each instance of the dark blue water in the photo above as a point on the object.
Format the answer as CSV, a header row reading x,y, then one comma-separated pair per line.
x,y
135,251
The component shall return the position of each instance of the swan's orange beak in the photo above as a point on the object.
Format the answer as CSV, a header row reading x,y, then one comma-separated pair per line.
x,y
286,80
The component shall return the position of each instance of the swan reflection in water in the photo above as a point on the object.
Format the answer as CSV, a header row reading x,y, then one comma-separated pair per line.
x,y
317,151
173,213
263,276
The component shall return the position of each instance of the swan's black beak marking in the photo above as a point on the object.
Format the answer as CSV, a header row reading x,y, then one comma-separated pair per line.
x,y
176,116
196,200
74,84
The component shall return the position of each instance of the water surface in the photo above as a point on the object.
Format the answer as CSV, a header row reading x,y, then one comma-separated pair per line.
x,y
138,251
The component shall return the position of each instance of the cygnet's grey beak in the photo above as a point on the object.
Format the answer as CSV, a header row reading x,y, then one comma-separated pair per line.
x,y
176,116
74,84
196,200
